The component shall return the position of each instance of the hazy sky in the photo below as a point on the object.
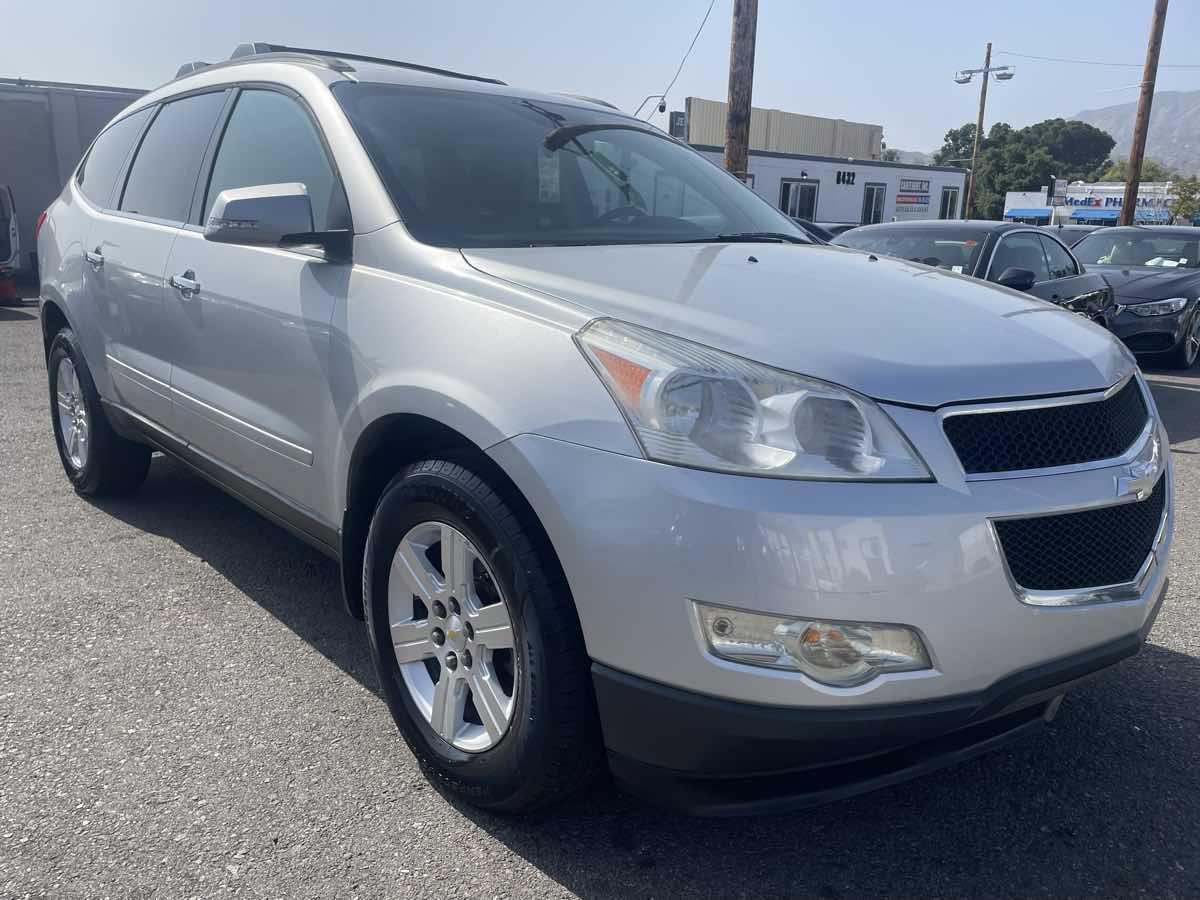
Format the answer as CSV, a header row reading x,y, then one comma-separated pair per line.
x,y
876,61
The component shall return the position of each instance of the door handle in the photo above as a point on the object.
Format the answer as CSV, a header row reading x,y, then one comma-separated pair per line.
x,y
186,284
95,257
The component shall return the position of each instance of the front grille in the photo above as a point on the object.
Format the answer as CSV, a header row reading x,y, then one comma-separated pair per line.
x,y
1093,548
1048,436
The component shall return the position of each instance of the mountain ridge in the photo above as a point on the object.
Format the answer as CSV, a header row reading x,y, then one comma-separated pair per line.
x,y
1174,136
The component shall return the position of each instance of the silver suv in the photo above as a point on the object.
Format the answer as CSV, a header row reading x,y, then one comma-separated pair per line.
x,y
621,470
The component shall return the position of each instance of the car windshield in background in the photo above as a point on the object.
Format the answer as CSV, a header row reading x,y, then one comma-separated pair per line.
x,y
1124,249
953,250
473,169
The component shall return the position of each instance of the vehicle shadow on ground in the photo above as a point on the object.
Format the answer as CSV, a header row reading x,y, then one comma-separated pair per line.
x,y
1073,811
1177,395
17,314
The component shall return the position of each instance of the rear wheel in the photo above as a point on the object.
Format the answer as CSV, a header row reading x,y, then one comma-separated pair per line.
x,y
476,642
96,459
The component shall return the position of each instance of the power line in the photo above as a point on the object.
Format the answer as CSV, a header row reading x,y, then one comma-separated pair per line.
x,y
1094,62
685,56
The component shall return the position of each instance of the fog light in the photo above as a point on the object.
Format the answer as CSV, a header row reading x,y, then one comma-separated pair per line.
x,y
841,654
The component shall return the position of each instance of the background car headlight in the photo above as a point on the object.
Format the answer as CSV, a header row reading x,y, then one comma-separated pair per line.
x,y
1158,307
841,654
695,406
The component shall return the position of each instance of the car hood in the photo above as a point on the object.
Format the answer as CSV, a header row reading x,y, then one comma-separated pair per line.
x,y
1149,282
887,328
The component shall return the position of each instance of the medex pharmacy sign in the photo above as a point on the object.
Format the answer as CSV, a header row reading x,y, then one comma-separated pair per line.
x,y
1115,202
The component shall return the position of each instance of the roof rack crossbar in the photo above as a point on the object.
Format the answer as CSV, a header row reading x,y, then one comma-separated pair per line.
x,y
255,48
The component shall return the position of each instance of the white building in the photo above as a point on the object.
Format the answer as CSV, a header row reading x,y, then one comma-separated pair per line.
x,y
851,191
1100,203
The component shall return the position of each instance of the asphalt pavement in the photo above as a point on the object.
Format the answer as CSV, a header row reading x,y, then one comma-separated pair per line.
x,y
185,710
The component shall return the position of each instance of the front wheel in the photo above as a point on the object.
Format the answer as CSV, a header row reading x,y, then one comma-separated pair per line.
x,y
1185,353
476,642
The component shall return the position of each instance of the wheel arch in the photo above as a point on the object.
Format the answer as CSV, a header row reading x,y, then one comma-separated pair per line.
x,y
384,448
54,319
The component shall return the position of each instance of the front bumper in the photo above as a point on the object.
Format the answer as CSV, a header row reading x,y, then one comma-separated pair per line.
x,y
1150,334
708,756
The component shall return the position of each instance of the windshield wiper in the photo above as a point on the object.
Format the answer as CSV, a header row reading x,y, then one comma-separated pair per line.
x,y
750,237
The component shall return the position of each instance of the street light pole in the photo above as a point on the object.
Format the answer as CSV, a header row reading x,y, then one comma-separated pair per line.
x,y
987,64
1002,73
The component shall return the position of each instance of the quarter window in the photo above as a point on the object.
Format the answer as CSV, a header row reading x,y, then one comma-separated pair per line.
x,y
162,179
99,171
1061,264
270,139
1022,250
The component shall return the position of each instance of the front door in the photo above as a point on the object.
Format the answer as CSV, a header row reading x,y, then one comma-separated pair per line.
x,y
252,324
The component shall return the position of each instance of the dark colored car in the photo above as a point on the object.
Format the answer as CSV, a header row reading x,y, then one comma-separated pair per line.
x,y
1022,257
1155,275
818,233
1071,234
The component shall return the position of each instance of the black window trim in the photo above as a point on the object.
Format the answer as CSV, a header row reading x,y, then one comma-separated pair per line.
x,y
108,206
1028,230
123,175
204,181
1079,270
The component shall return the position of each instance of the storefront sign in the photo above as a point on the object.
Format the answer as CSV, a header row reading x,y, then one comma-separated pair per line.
x,y
914,186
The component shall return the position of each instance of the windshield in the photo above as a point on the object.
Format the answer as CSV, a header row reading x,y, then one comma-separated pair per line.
x,y
953,250
1115,248
473,169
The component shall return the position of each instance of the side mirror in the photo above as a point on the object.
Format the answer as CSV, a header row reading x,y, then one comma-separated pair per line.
x,y
270,215
1017,279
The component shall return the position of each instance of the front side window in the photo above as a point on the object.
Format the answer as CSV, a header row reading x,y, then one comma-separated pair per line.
x,y
1019,251
474,169
1137,248
163,176
955,250
99,171
271,140
1061,264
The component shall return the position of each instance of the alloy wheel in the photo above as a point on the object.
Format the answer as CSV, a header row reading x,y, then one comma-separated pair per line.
x,y
72,415
452,636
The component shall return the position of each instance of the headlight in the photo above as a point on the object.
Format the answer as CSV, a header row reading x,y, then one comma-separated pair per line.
x,y
841,654
691,405
1158,307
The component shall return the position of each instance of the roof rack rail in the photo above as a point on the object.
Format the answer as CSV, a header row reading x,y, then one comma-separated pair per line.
x,y
189,67
255,48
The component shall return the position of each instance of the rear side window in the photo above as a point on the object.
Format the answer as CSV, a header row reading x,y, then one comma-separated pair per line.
x,y
163,176
99,171
1061,264
271,140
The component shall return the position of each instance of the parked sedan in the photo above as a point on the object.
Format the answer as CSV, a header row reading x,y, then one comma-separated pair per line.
x,y
1155,275
1022,257
1071,234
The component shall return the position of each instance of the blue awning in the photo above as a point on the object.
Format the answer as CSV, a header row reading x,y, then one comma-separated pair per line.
x,y
1035,212
1093,214
1152,215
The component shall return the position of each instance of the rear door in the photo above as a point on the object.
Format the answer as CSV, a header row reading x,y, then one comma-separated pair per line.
x,y
127,250
251,378
10,245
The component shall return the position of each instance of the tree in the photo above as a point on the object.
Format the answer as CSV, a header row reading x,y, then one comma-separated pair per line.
x,y
1187,199
1025,159
890,155
1152,170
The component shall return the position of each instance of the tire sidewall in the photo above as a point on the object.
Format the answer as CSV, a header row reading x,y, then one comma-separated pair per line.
x,y
495,774
62,347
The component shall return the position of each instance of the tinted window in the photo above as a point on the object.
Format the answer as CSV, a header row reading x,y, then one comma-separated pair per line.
x,y
1061,264
1019,251
469,169
164,171
99,171
947,248
1138,248
271,140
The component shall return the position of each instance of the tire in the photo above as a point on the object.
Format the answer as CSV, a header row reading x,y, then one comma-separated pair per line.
x,y
551,746
108,464
1184,354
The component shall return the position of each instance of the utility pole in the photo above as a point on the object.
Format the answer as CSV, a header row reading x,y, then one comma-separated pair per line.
x,y
741,86
1142,123
987,64
1001,73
